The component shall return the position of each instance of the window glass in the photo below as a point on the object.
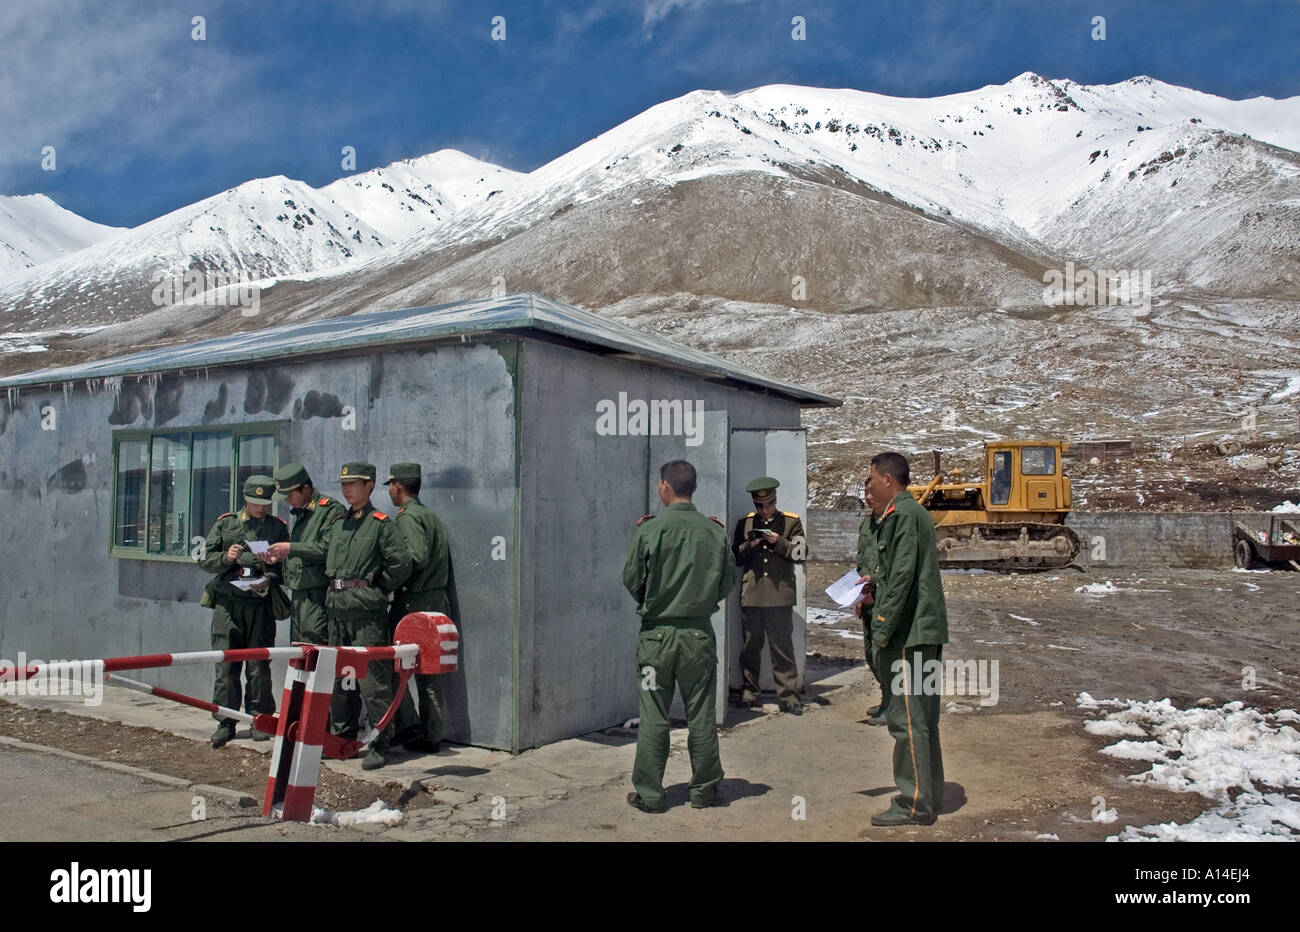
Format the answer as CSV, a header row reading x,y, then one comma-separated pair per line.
x,y
132,466
1001,477
210,480
256,457
169,473
1037,461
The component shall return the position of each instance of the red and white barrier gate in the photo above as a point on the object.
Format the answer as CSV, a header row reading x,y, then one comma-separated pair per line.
x,y
424,642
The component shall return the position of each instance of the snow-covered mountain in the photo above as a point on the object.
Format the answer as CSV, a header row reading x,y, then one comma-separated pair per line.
x,y
408,197
34,229
957,200
262,229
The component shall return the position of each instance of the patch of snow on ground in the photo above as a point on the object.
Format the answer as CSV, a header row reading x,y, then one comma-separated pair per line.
x,y
1287,507
1109,729
376,813
1213,752
1023,618
828,616
1098,589
1252,817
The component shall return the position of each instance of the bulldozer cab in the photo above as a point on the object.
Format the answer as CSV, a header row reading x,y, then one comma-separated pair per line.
x,y
1026,476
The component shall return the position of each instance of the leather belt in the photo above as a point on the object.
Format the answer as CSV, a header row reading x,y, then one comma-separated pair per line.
x,y
348,583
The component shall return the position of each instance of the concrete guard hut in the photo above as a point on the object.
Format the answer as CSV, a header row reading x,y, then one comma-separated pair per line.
x,y
540,427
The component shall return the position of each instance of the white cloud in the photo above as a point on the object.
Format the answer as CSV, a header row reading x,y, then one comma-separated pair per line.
x,y
657,10
102,81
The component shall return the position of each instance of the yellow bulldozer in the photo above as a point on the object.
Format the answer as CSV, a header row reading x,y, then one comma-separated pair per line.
x,y
1013,518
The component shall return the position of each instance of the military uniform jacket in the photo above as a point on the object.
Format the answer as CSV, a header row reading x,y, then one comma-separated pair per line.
x,y
909,608
768,569
678,566
364,544
426,538
304,568
869,555
238,528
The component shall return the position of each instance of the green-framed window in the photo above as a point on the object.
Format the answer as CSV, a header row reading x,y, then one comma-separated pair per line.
x,y
171,485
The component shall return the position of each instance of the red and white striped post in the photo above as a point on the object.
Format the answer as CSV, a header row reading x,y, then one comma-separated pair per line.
x,y
304,719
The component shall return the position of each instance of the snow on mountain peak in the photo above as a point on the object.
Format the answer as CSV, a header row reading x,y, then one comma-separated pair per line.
x,y
34,229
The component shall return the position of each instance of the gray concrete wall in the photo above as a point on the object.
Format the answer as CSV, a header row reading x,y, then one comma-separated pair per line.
x,y
1191,539
451,408
581,496
1111,539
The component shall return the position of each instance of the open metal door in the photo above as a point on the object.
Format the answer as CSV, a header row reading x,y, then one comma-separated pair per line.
x,y
710,458
781,454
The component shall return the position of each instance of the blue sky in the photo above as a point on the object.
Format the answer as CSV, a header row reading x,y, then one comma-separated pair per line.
x,y
145,119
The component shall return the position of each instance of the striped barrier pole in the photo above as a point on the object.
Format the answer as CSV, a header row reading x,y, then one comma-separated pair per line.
x,y
263,722
424,642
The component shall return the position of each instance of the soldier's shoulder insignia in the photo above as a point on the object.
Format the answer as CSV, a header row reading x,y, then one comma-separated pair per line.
x,y
226,515
379,514
323,501
716,520
402,510
789,514
643,519
340,516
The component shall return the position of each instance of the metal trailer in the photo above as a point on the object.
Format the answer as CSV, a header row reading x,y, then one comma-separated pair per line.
x,y
1250,552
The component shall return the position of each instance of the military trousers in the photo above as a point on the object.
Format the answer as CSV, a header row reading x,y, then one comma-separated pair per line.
x,y
873,658
428,686
913,720
669,656
375,690
238,623
776,625
308,621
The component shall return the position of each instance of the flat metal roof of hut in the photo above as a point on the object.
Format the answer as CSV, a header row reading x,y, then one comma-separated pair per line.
x,y
528,313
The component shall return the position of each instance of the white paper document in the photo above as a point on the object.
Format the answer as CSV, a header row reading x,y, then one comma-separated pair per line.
x,y
249,584
844,591
258,547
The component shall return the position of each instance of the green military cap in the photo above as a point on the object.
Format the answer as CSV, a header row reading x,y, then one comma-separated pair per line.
x,y
291,476
763,489
358,471
258,490
403,471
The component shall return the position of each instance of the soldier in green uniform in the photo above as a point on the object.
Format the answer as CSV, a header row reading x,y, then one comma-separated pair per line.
x,y
767,544
366,559
241,617
425,591
869,572
303,555
678,569
909,627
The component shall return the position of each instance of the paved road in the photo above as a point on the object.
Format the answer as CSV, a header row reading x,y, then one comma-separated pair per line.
x,y
50,798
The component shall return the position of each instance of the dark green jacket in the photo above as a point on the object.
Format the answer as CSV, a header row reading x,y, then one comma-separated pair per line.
x,y
365,544
238,528
678,566
767,579
869,557
304,568
909,608
426,539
